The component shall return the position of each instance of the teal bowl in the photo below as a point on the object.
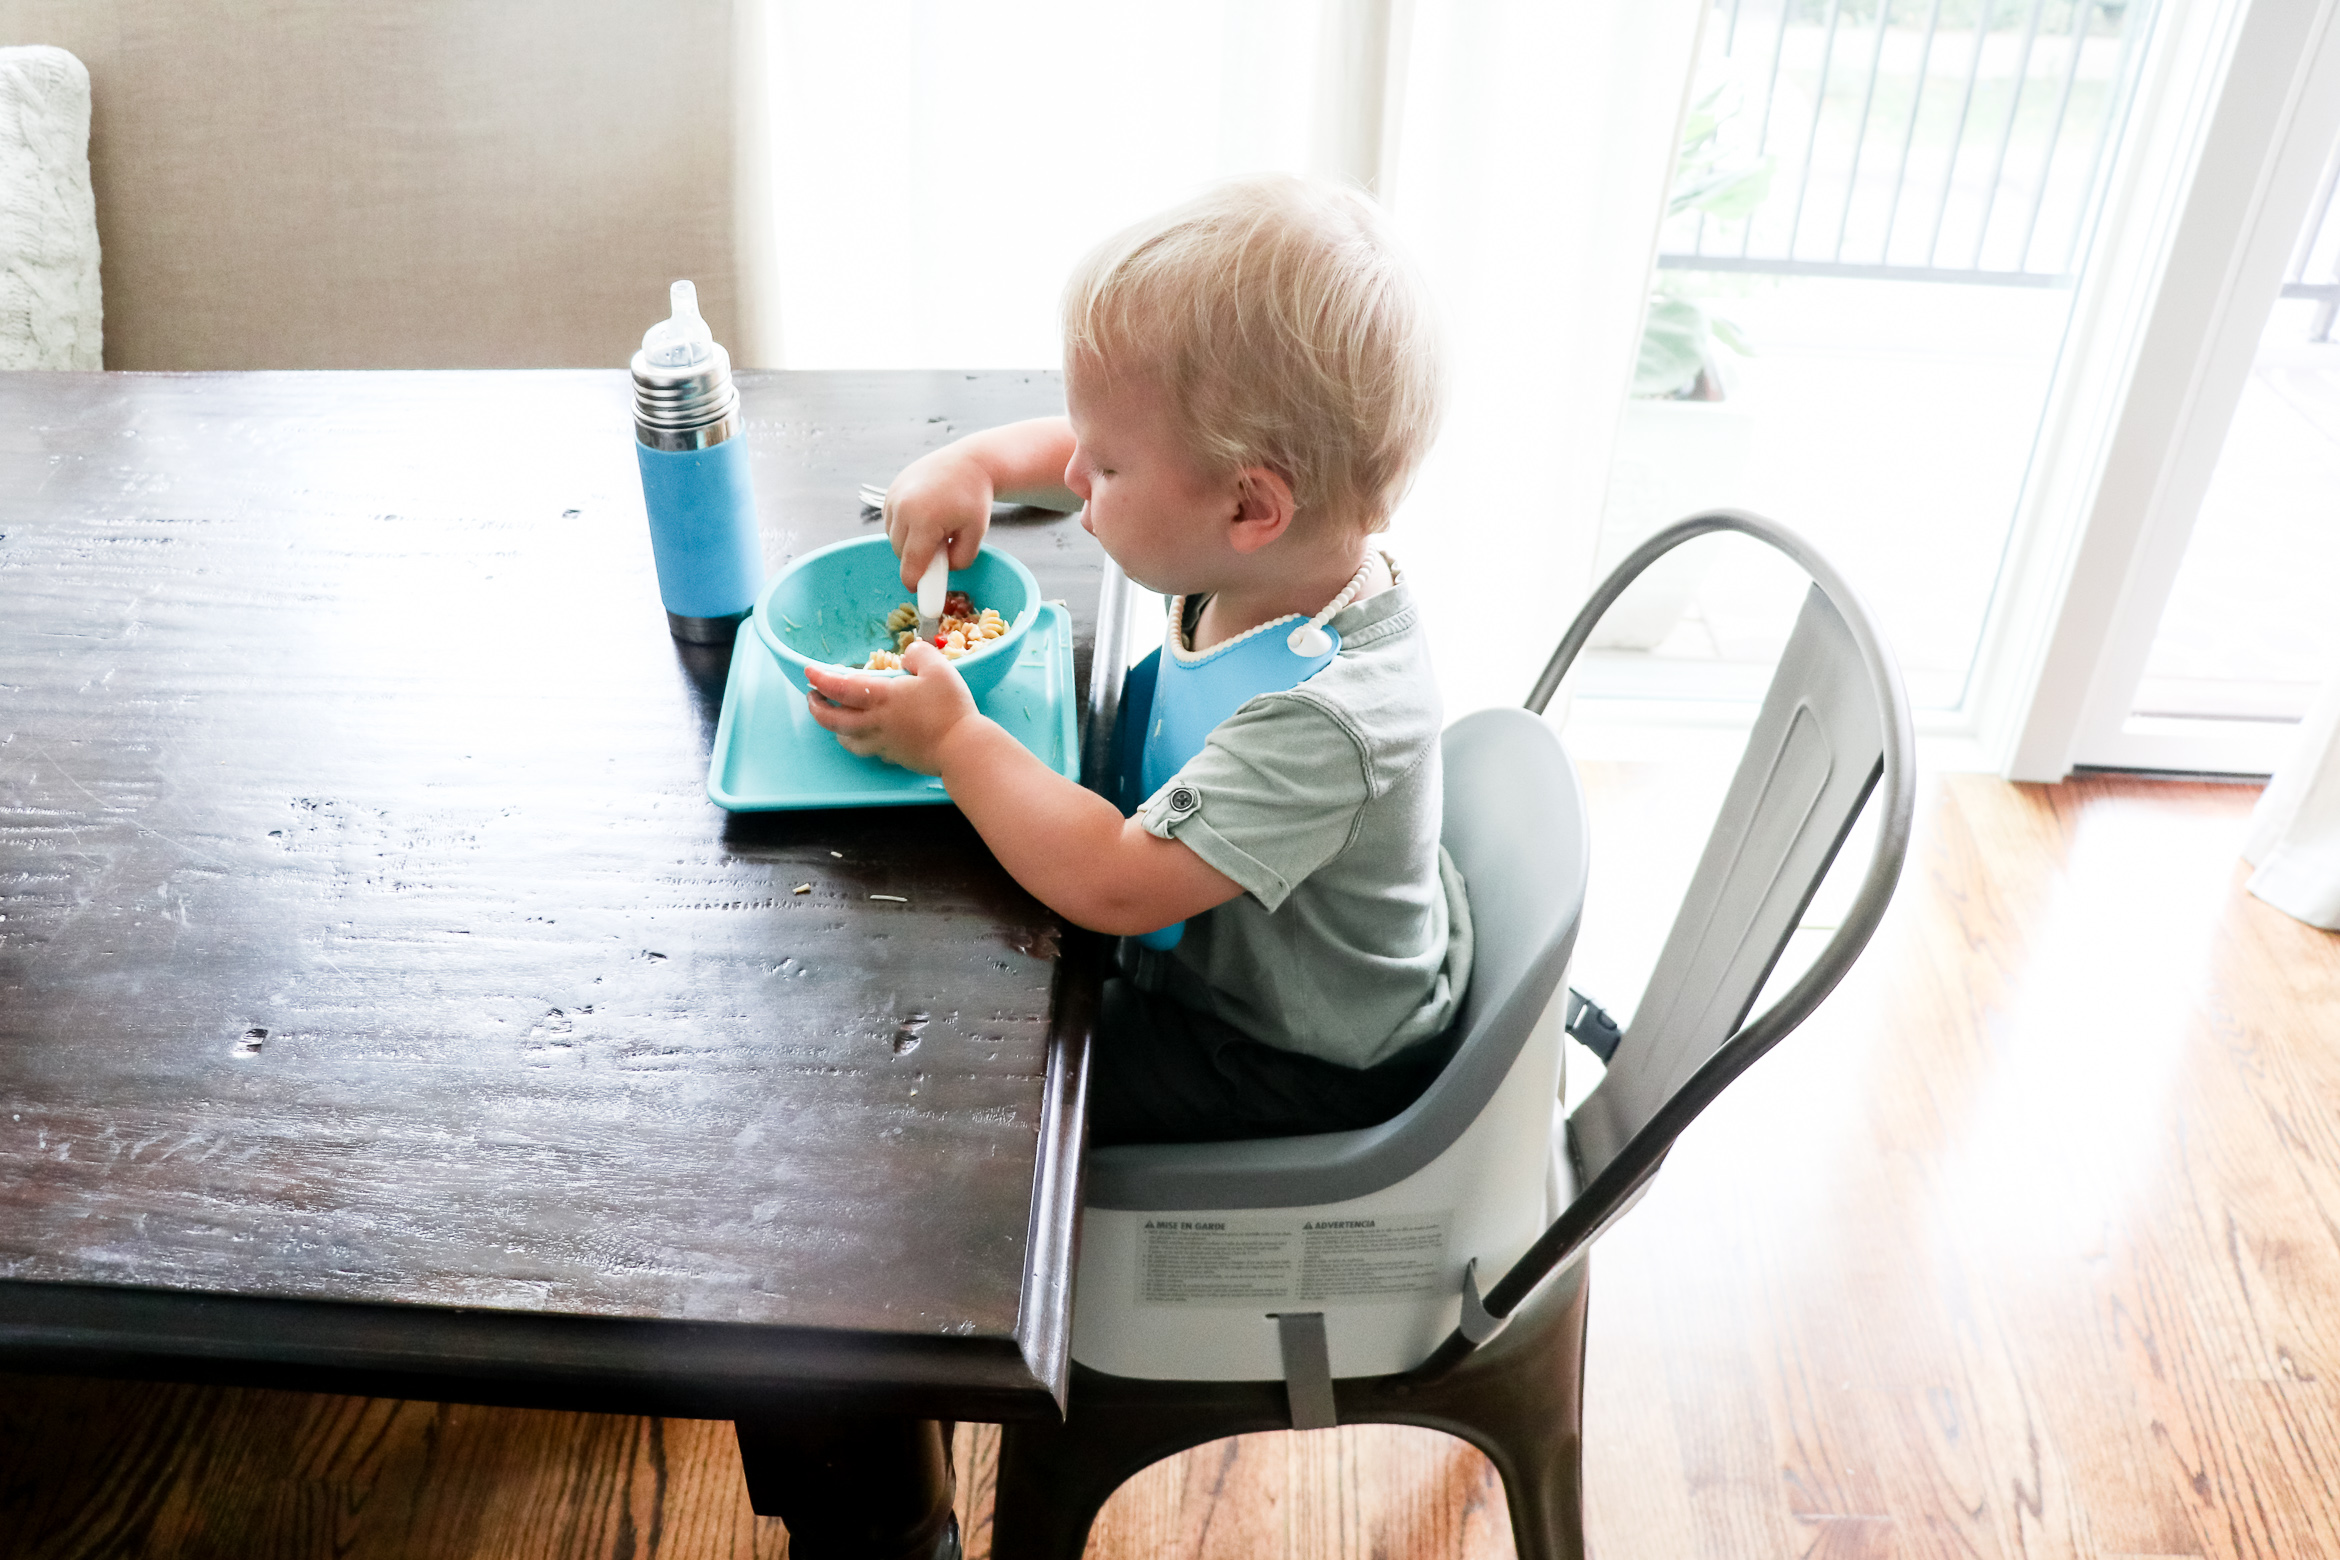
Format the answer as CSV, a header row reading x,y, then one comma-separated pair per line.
x,y
830,606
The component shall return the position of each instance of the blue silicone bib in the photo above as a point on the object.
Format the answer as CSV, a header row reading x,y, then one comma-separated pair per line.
x,y
1178,700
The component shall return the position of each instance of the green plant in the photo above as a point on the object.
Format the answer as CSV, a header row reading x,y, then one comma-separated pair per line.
x,y
1678,333
1676,342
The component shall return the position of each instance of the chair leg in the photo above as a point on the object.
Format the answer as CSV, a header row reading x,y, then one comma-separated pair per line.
x,y
1047,1496
1521,1401
854,1489
1544,1429
1055,1478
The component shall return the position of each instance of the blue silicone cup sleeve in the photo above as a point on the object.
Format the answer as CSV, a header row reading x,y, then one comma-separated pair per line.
x,y
703,533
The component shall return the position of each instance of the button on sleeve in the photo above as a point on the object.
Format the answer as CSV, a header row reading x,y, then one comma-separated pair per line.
x,y
1274,795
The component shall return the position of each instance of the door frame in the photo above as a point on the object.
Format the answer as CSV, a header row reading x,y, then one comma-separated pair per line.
x,y
2234,123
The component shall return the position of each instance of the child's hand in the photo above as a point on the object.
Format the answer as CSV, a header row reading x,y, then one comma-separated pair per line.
x,y
903,720
946,494
941,497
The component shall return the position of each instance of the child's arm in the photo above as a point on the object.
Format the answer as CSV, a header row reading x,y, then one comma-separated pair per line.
x,y
1070,848
946,494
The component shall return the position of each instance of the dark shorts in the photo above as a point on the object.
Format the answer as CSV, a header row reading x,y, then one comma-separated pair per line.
x,y
1163,1073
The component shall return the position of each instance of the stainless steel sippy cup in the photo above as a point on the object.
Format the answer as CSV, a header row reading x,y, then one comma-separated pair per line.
x,y
695,476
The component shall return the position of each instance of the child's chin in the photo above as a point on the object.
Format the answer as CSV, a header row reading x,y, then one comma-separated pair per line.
x,y
1144,581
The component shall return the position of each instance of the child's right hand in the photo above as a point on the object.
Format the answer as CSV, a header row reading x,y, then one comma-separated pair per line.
x,y
941,498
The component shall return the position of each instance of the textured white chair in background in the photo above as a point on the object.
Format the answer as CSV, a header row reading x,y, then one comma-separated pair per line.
x,y
51,312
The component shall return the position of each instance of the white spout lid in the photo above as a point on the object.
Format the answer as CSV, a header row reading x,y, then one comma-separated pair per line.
x,y
683,340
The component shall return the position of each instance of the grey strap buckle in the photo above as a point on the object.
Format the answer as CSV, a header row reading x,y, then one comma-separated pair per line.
x,y
1307,1369
1477,1324
1592,1026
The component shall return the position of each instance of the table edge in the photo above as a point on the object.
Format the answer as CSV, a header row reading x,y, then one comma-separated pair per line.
x,y
686,1369
1060,1180
1059,1186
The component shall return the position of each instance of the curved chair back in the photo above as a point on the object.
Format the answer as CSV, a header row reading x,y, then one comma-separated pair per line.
x,y
1514,823
1834,726
1814,753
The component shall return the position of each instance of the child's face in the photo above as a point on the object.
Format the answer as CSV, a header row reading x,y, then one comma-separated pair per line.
x,y
1159,514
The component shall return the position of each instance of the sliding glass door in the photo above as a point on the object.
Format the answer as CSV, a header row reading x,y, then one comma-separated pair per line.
x,y
1881,215
2252,626
2215,413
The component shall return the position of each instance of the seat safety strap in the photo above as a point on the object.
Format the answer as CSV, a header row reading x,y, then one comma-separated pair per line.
x,y
1307,1369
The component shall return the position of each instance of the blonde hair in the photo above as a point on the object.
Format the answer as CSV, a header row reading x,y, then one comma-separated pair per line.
x,y
1285,328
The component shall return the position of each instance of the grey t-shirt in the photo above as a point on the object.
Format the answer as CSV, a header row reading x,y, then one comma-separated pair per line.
x,y
1352,939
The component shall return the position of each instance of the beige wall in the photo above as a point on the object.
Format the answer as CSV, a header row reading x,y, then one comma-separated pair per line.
x,y
417,184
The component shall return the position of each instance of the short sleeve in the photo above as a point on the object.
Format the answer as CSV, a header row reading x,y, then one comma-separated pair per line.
x,y
1275,794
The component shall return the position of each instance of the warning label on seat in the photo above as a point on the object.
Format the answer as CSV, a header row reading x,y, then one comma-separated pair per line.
x,y
1252,1263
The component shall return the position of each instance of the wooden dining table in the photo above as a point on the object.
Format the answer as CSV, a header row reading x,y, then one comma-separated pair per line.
x,y
384,1007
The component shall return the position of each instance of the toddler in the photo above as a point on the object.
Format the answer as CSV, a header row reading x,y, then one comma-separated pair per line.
x,y
1250,381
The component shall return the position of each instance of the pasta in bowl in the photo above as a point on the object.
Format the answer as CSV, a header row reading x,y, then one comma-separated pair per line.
x,y
964,628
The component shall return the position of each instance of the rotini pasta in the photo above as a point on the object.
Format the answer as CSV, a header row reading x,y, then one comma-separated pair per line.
x,y
963,628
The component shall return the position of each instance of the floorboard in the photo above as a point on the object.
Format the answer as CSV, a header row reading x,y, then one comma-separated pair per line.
x,y
2028,1245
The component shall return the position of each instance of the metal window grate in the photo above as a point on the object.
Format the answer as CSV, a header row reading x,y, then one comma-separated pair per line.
x,y
1919,140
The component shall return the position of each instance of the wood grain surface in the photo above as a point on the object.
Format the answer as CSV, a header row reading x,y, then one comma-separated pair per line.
x,y
2024,1247
368,933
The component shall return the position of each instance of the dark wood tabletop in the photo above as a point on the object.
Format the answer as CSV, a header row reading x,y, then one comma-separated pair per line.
x,y
384,1006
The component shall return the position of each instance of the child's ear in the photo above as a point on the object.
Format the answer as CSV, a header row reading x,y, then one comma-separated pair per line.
x,y
1264,509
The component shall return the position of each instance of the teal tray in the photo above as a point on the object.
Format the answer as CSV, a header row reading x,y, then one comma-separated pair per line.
x,y
770,756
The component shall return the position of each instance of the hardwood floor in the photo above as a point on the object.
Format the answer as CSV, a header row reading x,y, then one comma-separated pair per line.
x,y
2027,1245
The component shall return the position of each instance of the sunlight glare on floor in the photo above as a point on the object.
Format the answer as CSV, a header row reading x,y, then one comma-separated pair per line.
x,y
2053,1145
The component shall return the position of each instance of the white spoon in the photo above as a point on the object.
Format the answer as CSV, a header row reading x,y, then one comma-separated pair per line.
x,y
932,586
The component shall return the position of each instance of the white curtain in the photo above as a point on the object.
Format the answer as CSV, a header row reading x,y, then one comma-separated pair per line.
x,y
2295,830
1530,175
937,167
934,169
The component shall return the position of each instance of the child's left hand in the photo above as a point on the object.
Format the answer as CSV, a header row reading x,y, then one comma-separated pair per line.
x,y
903,720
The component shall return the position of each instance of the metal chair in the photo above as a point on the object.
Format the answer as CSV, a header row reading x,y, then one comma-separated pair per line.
x,y
1303,1282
